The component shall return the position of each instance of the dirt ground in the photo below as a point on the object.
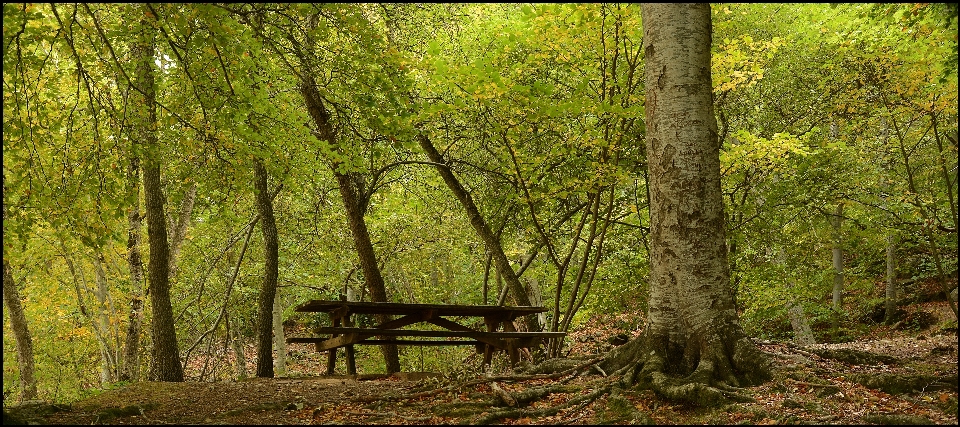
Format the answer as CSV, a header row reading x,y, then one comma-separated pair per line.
x,y
815,384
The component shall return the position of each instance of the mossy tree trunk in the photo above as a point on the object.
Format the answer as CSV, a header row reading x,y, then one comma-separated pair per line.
x,y
693,347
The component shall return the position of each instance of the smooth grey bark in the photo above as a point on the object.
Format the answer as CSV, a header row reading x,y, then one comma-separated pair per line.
x,y
97,317
21,334
165,355
693,334
268,290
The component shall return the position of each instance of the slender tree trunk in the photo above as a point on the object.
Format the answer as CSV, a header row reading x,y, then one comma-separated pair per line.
x,y
165,365
837,222
693,330
103,328
239,356
486,278
21,333
950,183
926,216
178,229
131,348
368,260
891,294
268,291
166,355
351,202
802,334
279,338
491,241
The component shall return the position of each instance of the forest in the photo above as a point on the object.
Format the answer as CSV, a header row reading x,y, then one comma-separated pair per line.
x,y
749,209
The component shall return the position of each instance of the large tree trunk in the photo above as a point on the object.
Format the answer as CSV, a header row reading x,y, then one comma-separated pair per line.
x,y
351,202
21,333
268,292
165,365
131,349
504,269
693,339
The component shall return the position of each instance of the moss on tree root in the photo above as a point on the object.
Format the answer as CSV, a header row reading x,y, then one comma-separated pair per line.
x,y
714,380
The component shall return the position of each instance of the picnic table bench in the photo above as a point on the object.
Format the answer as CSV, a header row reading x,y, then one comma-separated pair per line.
x,y
344,334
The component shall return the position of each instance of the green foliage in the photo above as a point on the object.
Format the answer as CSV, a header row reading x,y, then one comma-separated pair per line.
x,y
536,108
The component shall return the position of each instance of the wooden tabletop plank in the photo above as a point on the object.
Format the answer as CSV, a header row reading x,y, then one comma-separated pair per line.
x,y
366,307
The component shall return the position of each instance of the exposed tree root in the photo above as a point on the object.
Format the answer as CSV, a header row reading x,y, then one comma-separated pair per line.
x,y
715,380
720,370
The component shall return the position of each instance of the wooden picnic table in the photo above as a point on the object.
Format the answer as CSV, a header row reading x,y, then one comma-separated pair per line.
x,y
344,334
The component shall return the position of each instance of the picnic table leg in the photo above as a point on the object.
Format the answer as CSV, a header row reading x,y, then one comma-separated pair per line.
x,y
351,361
487,348
332,355
512,349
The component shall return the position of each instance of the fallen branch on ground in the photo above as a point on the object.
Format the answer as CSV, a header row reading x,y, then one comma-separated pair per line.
x,y
506,378
546,412
388,415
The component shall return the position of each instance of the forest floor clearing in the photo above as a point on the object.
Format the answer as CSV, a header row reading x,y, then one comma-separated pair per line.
x,y
891,377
